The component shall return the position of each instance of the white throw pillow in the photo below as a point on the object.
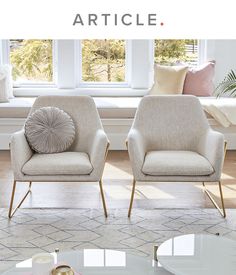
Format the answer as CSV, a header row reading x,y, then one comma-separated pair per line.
x,y
3,90
6,86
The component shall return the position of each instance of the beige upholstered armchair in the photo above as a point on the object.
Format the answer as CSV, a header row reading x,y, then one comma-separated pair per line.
x,y
171,141
85,160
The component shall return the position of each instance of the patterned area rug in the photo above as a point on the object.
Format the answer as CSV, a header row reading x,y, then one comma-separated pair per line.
x,y
33,231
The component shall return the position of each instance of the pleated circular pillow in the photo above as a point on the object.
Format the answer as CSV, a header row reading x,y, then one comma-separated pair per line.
x,y
49,130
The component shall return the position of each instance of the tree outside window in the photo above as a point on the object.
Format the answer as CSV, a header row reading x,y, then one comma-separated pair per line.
x,y
103,60
172,52
31,60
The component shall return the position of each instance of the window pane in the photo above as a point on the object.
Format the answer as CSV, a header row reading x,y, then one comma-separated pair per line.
x,y
31,60
171,52
103,60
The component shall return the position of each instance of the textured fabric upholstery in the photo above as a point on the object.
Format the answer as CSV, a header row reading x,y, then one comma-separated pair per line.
x,y
211,146
173,123
90,138
168,80
83,113
20,153
199,81
176,163
65,163
49,130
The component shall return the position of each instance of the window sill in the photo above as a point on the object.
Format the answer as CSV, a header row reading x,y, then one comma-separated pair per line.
x,y
116,92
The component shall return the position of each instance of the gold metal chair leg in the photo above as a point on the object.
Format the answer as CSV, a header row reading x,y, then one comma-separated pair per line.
x,y
155,248
100,183
103,199
132,198
12,212
222,211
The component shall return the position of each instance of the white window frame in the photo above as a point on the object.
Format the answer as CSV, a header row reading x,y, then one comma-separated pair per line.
x,y
67,67
96,84
140,70
53,84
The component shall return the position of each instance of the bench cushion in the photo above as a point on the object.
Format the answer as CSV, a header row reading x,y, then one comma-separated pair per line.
x,y
108,107
117,107
16,108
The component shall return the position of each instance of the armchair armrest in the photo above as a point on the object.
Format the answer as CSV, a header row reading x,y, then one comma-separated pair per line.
x,y
20,152
137,150
211,146
98,149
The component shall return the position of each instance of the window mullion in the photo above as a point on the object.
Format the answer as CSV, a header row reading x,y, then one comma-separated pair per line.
x,y
78,55
128,62
66,60
55,61
5,52
141,63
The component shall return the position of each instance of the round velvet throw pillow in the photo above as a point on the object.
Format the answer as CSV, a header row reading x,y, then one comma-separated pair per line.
x,y
49,130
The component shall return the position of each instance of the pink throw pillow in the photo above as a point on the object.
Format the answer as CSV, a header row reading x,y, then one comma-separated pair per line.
x,y
199,81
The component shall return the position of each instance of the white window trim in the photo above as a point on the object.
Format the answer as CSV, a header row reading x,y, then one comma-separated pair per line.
x,y
140,60
202,51
94,92
140,68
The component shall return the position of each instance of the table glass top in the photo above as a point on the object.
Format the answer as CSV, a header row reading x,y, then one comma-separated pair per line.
x,y
198,254
98,261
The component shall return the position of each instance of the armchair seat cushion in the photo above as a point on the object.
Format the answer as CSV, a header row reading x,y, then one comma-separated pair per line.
x,y
176,163
65,163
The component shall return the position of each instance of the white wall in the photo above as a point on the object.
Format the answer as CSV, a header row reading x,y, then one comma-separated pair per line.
x,y
224,53
1,52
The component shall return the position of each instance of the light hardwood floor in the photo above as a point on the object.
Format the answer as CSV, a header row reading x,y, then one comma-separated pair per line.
x,y
117,186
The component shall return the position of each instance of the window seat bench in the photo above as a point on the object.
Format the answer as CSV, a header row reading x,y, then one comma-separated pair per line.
x,y
117,114
108,107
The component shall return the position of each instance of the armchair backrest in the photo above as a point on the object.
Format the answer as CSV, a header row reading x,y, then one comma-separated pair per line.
x,y
82,110
171,122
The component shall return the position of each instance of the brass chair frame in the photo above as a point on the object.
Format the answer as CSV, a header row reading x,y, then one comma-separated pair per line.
x,y
13,211
220,209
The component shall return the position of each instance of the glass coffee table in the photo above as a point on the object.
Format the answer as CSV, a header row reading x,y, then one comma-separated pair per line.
x,y
198,255
98,261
